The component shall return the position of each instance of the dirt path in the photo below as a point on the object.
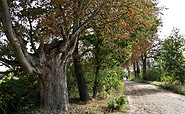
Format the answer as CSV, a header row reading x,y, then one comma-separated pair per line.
x,y
149,99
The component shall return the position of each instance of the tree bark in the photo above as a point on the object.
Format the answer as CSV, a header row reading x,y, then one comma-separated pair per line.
x,y
96,79
135,71
95,86
144,67
138,69
53,87
84,96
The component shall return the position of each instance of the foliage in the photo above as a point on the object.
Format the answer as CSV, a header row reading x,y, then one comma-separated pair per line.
x,y
172,58
117,103
18,94
51,29
110,79
71,81
154,74
175,88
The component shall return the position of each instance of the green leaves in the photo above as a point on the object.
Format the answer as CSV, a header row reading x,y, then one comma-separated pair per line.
x,y
111,78
19,94
117,103
172,57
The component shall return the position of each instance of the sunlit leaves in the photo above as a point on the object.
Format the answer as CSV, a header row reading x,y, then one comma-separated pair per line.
x,y
173,60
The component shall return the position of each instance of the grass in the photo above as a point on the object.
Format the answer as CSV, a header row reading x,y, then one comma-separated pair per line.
x,y
180,89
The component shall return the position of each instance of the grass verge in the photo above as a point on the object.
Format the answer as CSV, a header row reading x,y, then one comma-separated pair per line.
x,y
180,89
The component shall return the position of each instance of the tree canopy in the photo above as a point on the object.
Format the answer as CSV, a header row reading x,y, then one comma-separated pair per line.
x,y
42,36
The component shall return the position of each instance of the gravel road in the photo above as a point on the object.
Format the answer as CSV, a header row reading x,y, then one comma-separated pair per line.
x,y
149,99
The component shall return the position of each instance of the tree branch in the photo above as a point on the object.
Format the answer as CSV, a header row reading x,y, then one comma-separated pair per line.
x,y
7,26
31,35
89,19
14,63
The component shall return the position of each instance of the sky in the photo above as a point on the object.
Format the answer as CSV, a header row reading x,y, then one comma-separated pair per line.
x,y
172,17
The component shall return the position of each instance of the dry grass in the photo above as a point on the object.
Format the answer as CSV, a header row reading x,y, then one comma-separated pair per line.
x,y
95,106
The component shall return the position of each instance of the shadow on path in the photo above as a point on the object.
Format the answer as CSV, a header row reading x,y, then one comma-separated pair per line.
x,y
138,89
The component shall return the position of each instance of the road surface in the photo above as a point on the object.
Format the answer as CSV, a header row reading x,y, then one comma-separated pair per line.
x,y
149,99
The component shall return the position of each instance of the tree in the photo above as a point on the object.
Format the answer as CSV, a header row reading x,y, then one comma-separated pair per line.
x,y
114,31
51,28
144,28
57,23
84,96
147,38
173,60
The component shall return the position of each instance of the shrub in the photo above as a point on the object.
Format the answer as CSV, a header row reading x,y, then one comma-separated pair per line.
x,y
116,103
18,94
111,79
154,74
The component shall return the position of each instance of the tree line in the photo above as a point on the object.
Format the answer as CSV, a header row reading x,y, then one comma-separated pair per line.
x,y
59,40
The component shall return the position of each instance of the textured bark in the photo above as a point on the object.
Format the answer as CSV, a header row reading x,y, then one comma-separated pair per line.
x,y
53,87
84,96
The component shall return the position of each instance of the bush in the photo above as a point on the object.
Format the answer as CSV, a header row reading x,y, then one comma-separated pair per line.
x,y
116,103
18,94
154,74
111,79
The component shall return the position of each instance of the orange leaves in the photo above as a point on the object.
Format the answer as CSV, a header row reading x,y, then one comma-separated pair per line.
x,y
130,17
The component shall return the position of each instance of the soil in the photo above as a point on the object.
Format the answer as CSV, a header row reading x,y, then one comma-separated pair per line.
x,y
149,99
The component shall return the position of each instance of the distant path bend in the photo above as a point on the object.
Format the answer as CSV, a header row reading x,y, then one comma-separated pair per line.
x,y
148,99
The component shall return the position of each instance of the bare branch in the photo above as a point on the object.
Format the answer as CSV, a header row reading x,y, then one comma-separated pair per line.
x,y
89,19
7,26
14,63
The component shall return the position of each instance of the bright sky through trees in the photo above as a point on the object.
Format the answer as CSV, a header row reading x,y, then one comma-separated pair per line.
x,y
173,17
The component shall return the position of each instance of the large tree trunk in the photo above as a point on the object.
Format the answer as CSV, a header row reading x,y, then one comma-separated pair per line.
x,y
84,96
53,87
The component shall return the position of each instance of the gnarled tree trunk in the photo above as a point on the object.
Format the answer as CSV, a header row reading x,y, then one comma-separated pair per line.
x,y
53,86
50,59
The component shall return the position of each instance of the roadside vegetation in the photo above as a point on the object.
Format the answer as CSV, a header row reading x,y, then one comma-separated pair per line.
x,y
177,88
168,67
20,93
78,52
